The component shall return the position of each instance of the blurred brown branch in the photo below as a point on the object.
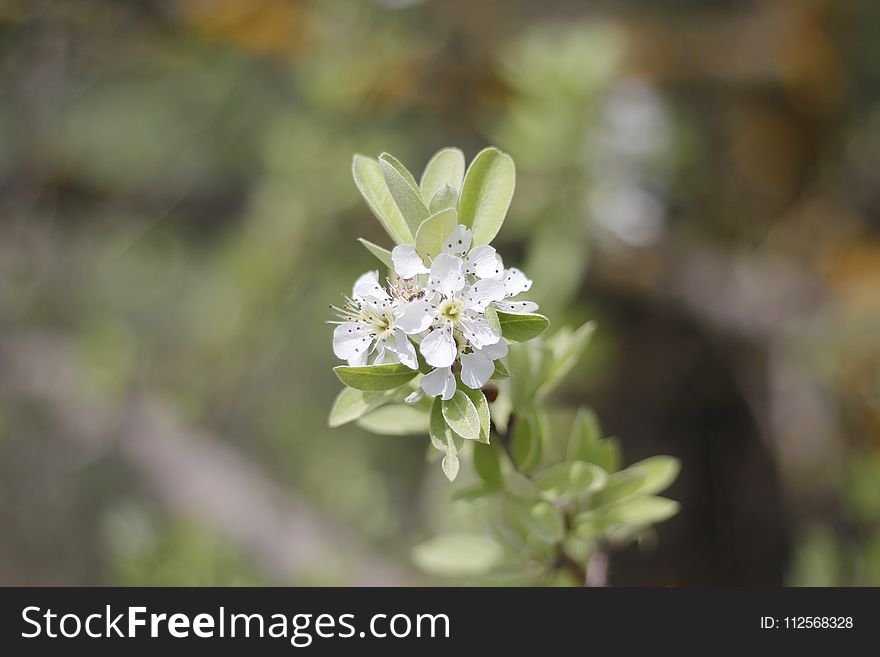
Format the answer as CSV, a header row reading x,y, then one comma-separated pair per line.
x,y
192,473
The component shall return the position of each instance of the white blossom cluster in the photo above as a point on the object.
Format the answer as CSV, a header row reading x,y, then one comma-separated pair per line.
x,y
437,305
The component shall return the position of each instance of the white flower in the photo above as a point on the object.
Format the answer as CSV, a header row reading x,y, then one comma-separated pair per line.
x,y
460,285
440,303
376,322
477,367
459,311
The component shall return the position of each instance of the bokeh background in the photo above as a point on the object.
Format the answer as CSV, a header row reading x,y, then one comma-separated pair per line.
x,y
176,213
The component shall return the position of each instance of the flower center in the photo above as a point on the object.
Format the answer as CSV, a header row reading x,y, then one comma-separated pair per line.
x,y
451,309
384,322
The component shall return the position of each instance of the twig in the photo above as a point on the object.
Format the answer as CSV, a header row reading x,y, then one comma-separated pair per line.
x,y
597,568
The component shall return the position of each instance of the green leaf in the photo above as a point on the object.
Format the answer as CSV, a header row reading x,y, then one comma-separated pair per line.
x,y
471,493
445,198
566,348
585,432
454,555
444,169
521,328
486,194
488,465
444,439
643,478
432,232
501,371
524,362
438,430
585,443
540,519
404,190
371,183
658,472
491,316
462,416
570,479
620,485
479,401
374,377
450,462
396,420
635,511
527,442
350,404
384,255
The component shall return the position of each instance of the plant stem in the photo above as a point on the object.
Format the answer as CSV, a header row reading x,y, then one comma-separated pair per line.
x,y
562,560
597,568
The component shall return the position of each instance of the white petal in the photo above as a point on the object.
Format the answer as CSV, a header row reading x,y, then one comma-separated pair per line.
x,y
407,263
479,295
446,274
476,369
352,340
405,350
517,307
439,382
495,351
385,355
478,332
439,348
369,278
414,317
516,282
367,287
459,241
483,262
414,397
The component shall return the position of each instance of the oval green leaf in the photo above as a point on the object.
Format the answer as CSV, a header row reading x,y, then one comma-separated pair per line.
x,y
486,194
371,183
438,431
487,464
540,519
350,404
396,420
432,232
526,442
462,416
642,510
443,199
374,377
457,555
658,472
569,479
445,168
521,328
450,463
479,401
404,190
